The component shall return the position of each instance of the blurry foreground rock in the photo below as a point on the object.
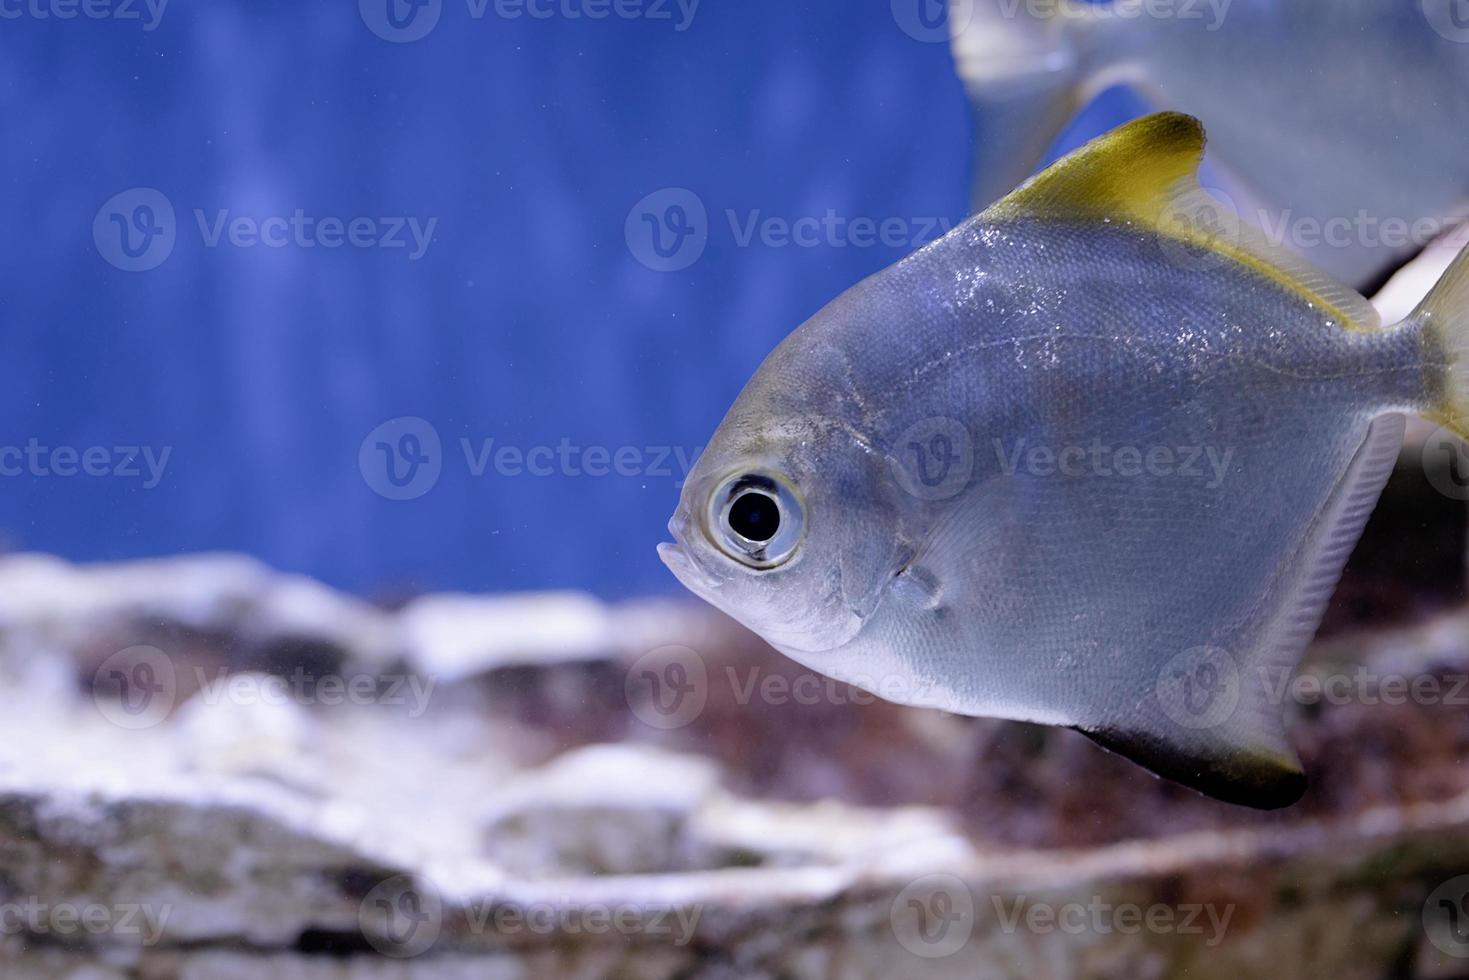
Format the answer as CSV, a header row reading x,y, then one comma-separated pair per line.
x,y
208,770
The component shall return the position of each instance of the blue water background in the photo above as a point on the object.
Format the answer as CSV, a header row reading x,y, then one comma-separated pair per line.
x,y
529,320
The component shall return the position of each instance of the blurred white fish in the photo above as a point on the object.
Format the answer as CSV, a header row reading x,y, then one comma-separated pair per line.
x,y
1340,127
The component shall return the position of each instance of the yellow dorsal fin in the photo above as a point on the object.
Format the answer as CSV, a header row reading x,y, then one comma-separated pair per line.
x,y
1146,173
1129,173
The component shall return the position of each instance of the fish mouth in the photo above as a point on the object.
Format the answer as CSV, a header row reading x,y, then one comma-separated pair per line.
x,y
685,569
681,562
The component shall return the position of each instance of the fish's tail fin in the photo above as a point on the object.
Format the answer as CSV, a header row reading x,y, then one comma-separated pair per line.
x,y
1443,316
1020,62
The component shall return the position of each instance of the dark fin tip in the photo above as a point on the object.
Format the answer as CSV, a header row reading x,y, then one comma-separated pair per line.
x,y
1259,782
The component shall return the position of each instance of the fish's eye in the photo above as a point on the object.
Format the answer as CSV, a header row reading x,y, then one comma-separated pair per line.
x,y
755,516
756,519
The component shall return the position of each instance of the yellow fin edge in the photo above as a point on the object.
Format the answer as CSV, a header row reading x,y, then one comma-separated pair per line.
x,y
1144,174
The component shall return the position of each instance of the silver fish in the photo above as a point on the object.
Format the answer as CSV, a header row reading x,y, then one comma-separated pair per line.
x,y
1341,127
1075,463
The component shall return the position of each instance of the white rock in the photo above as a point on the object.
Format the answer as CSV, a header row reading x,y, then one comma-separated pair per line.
x,y
452,637
248,725
617,809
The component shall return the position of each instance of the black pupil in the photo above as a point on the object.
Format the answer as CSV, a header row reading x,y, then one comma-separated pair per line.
x,y
754,516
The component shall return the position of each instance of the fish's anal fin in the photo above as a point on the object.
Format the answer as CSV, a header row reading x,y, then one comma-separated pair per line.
x,y
1145,173
1213,719
1262,780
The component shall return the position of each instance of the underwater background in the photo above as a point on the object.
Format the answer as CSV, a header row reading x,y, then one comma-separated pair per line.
x,y
505,289
354,352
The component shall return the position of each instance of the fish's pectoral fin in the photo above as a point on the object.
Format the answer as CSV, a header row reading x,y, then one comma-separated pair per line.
x,y
1146,174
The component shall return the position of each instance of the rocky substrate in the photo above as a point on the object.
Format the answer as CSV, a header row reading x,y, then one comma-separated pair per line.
x,y
208,769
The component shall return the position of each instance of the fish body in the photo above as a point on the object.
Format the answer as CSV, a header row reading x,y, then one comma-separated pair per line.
x,y
1070,465
1341,127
